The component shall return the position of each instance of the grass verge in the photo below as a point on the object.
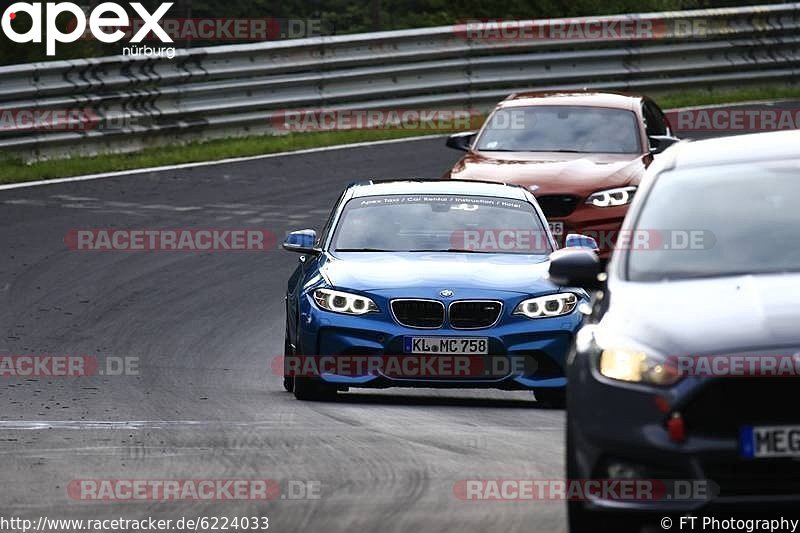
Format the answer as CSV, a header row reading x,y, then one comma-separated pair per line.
x,y
726,96
16,170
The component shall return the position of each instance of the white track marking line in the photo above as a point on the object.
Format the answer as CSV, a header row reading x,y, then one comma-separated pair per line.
x,y
134,424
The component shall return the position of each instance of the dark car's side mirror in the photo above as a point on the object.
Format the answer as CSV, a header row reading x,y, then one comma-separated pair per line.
x,y
659,143
302,242
461,141
575,267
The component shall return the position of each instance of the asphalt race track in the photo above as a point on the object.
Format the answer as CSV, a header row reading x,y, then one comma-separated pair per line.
x,y
206,404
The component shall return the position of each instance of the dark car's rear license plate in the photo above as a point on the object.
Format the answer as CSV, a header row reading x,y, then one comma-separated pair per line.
x,y
769,441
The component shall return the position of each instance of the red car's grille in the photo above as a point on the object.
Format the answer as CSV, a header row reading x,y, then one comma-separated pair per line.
x,y
558,205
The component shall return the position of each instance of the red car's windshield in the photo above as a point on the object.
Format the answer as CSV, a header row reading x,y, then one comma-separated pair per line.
x,y
579,129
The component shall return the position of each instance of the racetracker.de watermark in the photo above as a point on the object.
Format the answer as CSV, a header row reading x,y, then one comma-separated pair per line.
x,y
422,119
734,366
218,29
537,241
609,28
736,119
64,119
640,490
170,240
65,366
567,29
192,490
407,366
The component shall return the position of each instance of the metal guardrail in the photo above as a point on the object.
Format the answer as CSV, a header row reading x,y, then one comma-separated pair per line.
x,y
236,90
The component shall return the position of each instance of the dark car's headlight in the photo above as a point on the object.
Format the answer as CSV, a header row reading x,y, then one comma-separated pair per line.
x,y
612,197
637,366
344,302
548,306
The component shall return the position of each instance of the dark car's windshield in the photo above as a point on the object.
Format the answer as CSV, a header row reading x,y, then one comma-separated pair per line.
x,y
719,221
561,129
416,223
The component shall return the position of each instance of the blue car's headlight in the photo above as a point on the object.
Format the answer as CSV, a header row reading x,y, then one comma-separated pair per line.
x,y
548,306
344,302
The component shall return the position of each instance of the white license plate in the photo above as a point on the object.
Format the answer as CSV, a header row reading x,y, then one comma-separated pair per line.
x,y
556,228
769,441
447,345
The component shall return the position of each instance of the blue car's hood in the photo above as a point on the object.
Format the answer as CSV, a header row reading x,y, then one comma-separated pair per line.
x,y
366,271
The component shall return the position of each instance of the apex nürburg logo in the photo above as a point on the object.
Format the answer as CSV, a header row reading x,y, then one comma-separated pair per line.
x,y
102,21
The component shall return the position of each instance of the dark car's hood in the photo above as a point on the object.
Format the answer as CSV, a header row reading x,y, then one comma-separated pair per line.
x,y
705,316
368,271
553,172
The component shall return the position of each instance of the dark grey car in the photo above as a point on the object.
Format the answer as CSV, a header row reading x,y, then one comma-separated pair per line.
x,y
689,365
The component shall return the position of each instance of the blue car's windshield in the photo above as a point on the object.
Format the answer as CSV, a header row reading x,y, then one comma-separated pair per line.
x,y
440,223
580,129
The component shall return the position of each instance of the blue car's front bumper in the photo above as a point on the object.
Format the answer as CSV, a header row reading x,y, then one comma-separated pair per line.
x,y
535,348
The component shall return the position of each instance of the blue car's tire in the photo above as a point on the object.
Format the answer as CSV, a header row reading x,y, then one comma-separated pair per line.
x,y
288,381
312,389
555,398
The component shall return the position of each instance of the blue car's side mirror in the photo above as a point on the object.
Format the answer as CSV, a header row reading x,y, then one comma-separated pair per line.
x,y
576,240
302,242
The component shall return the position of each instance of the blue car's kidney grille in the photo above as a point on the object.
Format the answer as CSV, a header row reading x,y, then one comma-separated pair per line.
x,y
419,313
474,314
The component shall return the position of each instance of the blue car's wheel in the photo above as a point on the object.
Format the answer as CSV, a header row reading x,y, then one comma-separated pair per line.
x,y
288,381
312,389
555,398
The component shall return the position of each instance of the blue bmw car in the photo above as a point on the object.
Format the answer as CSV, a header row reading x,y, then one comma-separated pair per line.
x,y
422,283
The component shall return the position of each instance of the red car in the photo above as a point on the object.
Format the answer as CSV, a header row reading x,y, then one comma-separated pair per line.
x,y
581,154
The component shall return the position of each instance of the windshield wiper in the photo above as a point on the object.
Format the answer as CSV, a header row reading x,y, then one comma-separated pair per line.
x,y
512,150
455,250
564,151
443,250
